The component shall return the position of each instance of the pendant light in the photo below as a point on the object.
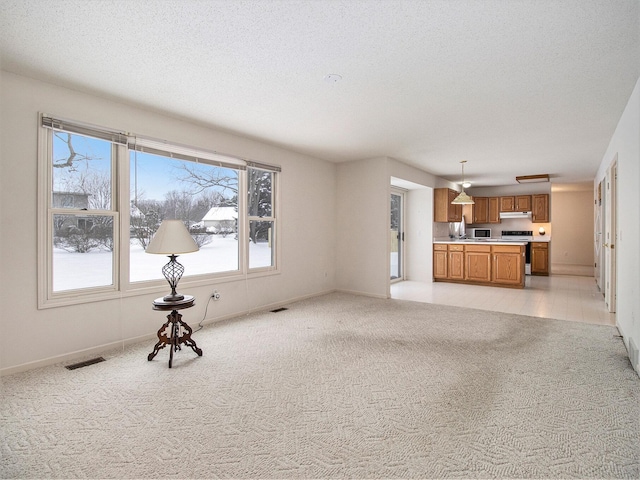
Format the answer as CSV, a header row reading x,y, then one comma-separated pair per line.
x,y
463,198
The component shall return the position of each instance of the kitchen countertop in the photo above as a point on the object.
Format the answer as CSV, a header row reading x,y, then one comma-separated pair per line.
x,y
477,241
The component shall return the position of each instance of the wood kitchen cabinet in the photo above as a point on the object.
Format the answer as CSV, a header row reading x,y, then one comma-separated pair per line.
x,y
516,203
539,258
443,211
523,203
477,263
540,208
440,260
494,210
456,262
508,265
507,204
481,210
448,261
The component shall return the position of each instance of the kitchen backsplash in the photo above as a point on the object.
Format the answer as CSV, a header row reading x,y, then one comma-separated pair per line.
x,y
441,230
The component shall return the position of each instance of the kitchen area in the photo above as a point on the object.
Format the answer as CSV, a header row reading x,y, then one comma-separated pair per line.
x,y
498,240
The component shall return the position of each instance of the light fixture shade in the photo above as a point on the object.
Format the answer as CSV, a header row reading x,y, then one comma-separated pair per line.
x,y
463,199
172,238
533,178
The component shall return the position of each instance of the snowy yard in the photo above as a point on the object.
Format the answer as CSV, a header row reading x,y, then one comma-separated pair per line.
x,y
83,270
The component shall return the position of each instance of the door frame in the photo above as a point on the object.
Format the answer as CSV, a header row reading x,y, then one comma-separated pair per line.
x,y
401,230
610,236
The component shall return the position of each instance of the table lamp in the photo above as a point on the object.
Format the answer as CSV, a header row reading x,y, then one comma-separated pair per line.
x,y
171,239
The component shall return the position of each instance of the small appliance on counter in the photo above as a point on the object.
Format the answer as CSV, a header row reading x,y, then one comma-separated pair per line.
x,y
454,229
481,233
457,229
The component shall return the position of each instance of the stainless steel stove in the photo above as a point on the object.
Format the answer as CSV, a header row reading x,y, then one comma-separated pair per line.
x,y
517,235
520,236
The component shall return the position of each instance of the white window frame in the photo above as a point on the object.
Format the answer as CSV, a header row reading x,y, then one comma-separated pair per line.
x,y
121,212
46,295
275,205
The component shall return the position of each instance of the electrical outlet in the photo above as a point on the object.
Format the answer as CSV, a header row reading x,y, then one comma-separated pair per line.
x,y
215,295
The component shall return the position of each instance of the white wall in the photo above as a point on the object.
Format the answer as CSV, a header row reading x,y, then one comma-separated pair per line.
x,y
419,235
32,337
362,238
625,143
364,189
419,218
515,189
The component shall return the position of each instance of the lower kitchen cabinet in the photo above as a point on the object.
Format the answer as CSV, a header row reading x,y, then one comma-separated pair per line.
x,y
500,265
539,258
448,262
440,261
508,264
478,263
456,262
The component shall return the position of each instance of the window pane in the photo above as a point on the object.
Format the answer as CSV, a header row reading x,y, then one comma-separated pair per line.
x,y
204,197
82,251
81,172
260,185
261,244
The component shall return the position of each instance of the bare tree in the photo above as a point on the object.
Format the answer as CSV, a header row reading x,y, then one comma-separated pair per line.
x,y
68,161
224,179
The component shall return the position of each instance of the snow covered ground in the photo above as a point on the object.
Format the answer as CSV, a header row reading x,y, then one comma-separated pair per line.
x,y
83,270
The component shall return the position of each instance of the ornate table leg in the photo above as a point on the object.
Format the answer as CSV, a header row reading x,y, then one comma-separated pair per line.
x,y
186,337
162,338
174,339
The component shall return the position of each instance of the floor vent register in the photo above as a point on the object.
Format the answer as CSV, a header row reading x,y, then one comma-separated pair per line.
x,y
86,363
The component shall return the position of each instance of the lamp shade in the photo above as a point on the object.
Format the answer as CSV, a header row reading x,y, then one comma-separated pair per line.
x,y
172,238
463,199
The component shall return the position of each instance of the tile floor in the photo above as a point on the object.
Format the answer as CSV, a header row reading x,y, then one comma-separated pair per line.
x,y
562,297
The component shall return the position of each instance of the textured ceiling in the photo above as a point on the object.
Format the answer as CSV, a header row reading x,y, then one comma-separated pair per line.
x,y
514,87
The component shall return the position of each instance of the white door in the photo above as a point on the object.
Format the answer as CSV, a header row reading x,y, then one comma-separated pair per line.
x,y
598,237
610,234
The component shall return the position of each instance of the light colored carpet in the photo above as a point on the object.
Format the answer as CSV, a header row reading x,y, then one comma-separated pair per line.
x,y
339,386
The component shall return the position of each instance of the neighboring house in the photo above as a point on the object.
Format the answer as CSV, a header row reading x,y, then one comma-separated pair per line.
x,y
220,220
135,212
71,200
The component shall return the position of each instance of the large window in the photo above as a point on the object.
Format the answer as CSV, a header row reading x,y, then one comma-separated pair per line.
x,y
262,220
81,216
203,196
104,194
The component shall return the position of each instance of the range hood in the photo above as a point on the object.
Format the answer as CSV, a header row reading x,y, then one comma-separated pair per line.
x,y
515,215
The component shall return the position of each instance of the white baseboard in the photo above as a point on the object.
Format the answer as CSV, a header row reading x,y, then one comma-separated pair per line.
x,y
100,349
362,294
566,269
75,356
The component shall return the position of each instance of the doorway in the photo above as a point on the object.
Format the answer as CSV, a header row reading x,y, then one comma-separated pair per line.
x,y
611,229
396,258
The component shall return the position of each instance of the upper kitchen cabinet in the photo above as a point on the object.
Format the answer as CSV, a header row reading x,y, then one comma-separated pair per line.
x,y
523,203
507,204
494,210
481,210
518,203
540,208
443,211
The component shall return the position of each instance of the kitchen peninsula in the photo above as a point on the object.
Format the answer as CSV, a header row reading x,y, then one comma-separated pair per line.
x,y
481,262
